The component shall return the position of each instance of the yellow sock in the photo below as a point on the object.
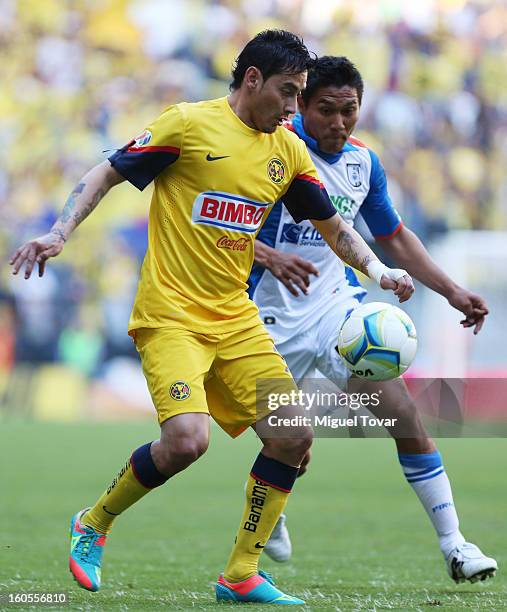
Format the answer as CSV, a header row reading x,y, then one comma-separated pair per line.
x,y
264,504
125,490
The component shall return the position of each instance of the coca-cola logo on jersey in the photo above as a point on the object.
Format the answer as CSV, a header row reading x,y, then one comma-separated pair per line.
x,y
241,244
228,211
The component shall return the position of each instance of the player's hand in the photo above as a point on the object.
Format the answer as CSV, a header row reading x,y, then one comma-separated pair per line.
x,y
38,250
293,271
471,305
402,285
391,278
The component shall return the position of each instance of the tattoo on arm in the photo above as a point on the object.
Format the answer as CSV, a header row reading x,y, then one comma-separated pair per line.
x,y
347,248
58,232
71,202
79,216
70,214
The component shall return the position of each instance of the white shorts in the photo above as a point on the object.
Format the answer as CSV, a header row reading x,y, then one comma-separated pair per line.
x,y
313,353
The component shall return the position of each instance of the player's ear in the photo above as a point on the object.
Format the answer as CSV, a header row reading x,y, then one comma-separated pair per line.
x,y
253,78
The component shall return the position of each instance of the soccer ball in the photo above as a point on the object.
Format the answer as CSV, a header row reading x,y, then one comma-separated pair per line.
x,y
377,341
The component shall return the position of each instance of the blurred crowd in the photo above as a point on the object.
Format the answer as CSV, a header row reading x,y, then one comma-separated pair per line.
x,y
82,77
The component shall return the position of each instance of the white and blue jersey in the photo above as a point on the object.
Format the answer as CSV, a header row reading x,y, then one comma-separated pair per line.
x,y
356,183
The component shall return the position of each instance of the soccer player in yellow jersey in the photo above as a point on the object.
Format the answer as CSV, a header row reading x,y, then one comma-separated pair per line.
x,y
218,166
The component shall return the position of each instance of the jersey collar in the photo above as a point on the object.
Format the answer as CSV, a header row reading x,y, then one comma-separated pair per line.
x,y
297,124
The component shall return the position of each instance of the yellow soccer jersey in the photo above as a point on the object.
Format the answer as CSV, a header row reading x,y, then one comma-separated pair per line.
x,y
216,180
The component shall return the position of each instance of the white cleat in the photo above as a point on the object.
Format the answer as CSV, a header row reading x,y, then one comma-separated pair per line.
x,y
467,562
279,547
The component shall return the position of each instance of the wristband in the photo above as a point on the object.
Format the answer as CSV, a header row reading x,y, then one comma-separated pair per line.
x,y
376,269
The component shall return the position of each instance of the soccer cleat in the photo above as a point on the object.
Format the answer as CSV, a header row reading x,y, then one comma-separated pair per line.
x,y
467,562
259,588
86,548
279,547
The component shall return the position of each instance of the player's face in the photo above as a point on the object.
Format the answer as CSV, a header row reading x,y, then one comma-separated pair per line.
x,y
331,116
274,99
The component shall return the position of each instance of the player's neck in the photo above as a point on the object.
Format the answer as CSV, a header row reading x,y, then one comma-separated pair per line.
x,y
241,108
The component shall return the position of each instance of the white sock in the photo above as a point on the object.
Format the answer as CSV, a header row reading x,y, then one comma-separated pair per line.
x,y
426,475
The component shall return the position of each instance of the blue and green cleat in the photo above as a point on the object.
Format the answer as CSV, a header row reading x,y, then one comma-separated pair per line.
x,y
259,588
86,549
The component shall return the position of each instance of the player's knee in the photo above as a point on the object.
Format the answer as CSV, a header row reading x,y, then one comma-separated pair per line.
x,y
406,409
291,450
182,452
188,450
405,414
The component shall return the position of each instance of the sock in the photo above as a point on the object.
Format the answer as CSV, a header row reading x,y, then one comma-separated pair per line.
x,y
427,476
267,491
136,478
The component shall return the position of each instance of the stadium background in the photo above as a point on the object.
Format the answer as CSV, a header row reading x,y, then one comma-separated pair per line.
x,y
84,76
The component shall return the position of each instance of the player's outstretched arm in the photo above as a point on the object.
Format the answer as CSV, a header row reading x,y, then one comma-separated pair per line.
x,y
352,249
408,251
84,198
290,269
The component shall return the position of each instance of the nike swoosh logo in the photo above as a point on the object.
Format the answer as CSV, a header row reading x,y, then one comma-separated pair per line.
x,y
258,545
210,157
111,513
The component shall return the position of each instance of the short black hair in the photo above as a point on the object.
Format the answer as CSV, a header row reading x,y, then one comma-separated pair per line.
x,y
331,70
272,52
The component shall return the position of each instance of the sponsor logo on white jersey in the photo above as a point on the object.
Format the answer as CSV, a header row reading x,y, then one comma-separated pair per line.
x,y
346,206
302,235
229,211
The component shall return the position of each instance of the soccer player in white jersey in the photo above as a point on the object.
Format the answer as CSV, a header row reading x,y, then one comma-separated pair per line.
x,y
304,326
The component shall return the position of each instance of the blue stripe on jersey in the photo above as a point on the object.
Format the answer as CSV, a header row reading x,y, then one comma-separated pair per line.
x,y
349,147
351,277
377,209
331,158
267,235
226,225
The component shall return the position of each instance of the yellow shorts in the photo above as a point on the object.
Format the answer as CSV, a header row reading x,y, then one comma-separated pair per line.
x,y
227,376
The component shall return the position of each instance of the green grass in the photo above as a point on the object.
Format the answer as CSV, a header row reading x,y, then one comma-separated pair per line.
x,y
361,540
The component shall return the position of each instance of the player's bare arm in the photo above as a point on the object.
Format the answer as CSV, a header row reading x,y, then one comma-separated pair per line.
x,y
81,202
291,270
407,251
353,250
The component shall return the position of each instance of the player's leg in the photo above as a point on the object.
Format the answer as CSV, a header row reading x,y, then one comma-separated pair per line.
x,y
421,462
299,354
178,394
423,469
268,487
247,371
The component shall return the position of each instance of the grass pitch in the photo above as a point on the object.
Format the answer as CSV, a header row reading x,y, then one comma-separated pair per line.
x,y
361,540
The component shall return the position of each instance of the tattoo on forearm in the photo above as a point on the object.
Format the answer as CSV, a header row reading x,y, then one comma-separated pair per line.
x,y
70,214
71,202
86,210
59,232
347,247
